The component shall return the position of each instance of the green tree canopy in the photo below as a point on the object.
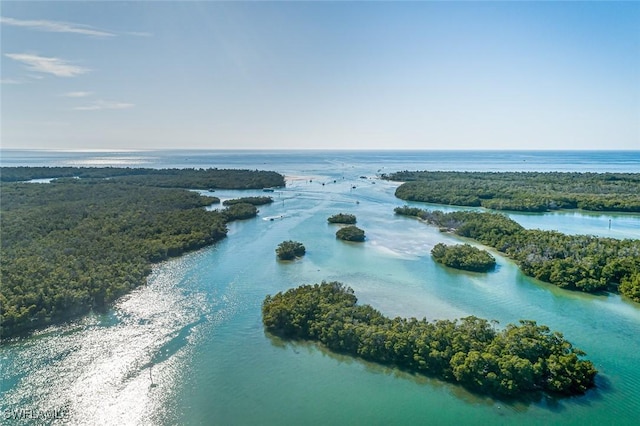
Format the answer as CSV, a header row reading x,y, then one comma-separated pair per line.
x,y
523,191
575,262
519,359
289,250
74,245
240,211
350,233
345,218
463,256
167,178
256,201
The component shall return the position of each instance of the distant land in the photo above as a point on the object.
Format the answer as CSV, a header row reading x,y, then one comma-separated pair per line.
x,y
523,191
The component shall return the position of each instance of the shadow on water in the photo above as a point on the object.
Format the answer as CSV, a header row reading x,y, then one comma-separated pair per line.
x,y
520,403
173,345
168,349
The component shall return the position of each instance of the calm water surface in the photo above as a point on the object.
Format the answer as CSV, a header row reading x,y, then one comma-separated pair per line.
x,y
189,347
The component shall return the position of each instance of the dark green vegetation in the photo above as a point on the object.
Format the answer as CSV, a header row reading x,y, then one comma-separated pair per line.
x,y
289,250
463,256
523,191
167,178
350,233
574,262
256,201
240,211
345,218
630,286
520,358
78,244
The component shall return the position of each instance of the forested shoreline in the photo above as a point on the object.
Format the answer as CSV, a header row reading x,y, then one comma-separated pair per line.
x,y
511,362
574,262
256,201
167,178
74,245
522,191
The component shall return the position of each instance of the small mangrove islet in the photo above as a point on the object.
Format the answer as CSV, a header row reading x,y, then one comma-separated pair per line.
x,y
350,233
289,250
342,218
463,256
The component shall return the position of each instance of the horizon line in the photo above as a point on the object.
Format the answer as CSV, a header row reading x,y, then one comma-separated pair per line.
x,y
114,150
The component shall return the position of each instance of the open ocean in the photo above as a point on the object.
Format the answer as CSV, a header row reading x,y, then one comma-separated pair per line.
x,y
189,347
587,161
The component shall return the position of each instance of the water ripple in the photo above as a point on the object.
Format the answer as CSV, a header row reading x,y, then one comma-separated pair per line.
x,y
116,374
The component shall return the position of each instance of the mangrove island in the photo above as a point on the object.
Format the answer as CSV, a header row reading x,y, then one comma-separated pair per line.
x,y
518,359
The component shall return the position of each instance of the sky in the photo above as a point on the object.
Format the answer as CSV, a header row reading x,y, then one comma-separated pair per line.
x,y
320,75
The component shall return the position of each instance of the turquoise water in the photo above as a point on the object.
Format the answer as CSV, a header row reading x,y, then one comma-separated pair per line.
x,y
189,347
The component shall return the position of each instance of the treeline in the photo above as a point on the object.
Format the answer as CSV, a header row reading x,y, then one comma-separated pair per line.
x,y
518,359
289,250
168,178
256,201
343,218
463,256
75,245
575,262
350,233
523,191
239,211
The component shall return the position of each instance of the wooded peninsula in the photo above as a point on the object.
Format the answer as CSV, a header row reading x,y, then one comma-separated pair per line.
x,y
74,245
523,191
516,360
166,178
575,262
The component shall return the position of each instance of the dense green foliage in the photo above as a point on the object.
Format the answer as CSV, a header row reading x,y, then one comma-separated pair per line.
x,y
575,262
78,244
256,201
520,358
345,218
350,233
630,286
463,256
289,250
523,191
240,211
168,178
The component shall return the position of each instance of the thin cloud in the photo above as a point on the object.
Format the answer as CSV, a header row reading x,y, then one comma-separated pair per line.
x,y
56,66
10,81
101,104
67,27
77,94
56,27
